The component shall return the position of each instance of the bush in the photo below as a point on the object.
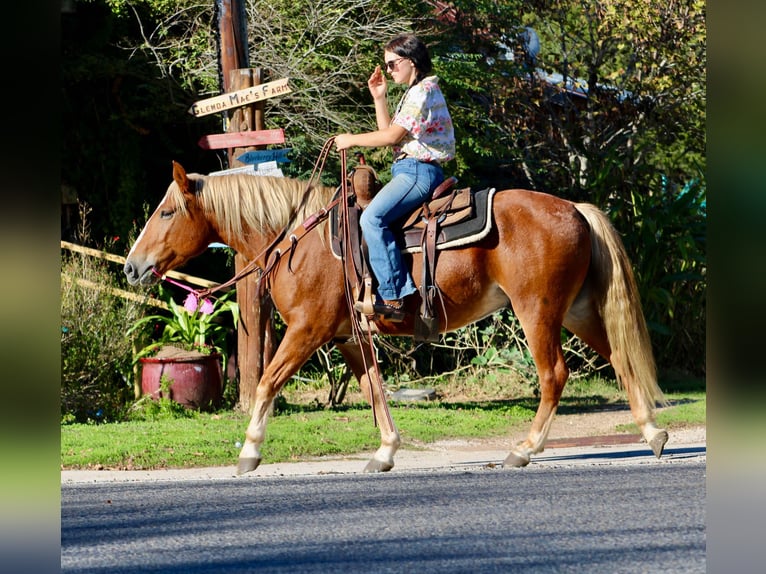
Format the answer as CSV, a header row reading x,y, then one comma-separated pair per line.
x,y
96,355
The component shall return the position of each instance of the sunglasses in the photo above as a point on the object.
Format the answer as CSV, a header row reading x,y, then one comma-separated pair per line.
x,y
391,64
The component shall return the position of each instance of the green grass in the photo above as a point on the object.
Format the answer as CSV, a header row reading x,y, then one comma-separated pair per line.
x,y
685,409
306,431
212,440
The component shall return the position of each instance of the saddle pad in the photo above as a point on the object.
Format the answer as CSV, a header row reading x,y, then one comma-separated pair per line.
x,y
456,207
461,233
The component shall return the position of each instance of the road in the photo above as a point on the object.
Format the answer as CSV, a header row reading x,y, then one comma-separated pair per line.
x,y
643,516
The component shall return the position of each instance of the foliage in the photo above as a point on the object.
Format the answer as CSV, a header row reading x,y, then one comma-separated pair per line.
x,y
631,142
121,122
327,49
148,408
195,325
669,241
96,365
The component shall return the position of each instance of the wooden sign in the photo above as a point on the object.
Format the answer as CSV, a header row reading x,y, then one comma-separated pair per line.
x,y
240,98
242,139
260,156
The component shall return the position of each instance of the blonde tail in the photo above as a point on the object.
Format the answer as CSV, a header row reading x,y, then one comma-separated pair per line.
x,y
620,309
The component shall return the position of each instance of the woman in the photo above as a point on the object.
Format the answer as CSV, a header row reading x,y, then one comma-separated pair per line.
x,y
422,139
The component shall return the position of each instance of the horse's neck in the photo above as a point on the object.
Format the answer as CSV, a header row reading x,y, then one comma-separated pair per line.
x,y
253,244
250,245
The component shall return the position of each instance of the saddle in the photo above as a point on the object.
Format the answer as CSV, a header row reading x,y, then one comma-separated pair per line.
x,y
451,218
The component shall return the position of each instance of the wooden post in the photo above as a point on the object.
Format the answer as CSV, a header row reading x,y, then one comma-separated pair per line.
x,y
233,42
255,337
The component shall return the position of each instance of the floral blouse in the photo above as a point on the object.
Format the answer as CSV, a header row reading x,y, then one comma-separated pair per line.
x,y
423,112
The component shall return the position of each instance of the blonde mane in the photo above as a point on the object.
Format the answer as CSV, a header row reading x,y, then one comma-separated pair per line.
x,y
263,203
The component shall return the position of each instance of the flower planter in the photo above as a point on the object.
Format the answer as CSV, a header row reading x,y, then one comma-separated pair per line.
x,y
196,378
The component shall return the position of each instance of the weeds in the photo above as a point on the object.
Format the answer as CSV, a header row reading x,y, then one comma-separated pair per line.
x,y
96,356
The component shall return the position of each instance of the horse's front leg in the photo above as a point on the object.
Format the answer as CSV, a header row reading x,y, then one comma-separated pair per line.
x,y
383,459
250,455
293,351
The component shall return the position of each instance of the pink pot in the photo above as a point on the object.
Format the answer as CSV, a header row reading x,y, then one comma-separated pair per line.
x,y
197,380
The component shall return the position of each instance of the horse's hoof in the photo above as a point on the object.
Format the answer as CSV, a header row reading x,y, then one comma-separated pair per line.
x,y
247,465
658,443
376,465
515,460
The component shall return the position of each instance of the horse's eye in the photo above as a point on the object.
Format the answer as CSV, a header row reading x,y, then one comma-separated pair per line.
x,y
167,213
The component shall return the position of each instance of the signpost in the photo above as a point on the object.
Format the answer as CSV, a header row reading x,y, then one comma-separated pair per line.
x,y
242,139
245,94
260,156
240,98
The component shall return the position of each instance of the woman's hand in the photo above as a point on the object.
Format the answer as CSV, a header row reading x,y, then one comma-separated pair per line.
x,y
343,141
377,84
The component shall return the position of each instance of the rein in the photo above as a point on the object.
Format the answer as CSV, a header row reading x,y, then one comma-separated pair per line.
x,y
274,251
376,380
284,243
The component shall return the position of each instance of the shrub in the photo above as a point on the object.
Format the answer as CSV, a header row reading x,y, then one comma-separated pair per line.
x,y
96,355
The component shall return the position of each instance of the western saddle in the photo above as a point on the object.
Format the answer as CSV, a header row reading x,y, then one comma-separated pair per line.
x,y
452,217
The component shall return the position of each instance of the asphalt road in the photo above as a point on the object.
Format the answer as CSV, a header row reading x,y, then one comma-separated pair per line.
x,y
647,516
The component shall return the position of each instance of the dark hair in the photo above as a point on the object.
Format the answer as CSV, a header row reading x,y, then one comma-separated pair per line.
x,y
411,47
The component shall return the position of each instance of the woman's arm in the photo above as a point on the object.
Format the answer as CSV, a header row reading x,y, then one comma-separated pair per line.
x,y
386,137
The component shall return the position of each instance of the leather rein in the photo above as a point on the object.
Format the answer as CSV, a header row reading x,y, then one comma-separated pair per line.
x,y
284,243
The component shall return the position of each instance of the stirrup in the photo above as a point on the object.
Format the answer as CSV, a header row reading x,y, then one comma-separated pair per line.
x,y
392,312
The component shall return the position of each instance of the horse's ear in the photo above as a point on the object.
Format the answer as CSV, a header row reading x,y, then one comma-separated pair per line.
x,y
179,176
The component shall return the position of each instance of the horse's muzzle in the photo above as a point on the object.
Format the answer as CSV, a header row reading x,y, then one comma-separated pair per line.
x,y
137,276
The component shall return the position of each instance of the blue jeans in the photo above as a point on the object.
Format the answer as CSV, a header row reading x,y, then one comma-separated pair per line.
x,y
411,185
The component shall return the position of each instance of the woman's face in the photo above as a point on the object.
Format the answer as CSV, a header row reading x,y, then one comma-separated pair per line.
x,y
402,70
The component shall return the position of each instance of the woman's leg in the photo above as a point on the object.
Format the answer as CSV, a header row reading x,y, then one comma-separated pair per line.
x,y
410,187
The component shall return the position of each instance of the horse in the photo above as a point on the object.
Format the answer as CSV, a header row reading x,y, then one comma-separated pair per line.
x,y
554,262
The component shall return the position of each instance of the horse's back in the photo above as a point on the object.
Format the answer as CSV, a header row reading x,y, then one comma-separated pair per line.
x,y
537,253
534,220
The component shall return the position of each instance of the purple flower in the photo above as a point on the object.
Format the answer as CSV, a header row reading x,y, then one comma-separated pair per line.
x,y
207,307
191,303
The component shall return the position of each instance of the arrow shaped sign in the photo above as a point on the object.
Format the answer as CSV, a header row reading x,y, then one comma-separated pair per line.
x,y
260,156
242,139
240,98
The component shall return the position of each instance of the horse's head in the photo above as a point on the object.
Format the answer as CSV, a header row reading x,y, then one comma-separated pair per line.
x,y
176,232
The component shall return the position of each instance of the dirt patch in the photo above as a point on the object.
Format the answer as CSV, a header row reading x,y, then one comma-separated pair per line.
x,y
575,429
599,422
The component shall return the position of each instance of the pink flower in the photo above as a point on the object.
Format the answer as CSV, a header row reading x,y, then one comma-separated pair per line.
x,y
207,307
191,303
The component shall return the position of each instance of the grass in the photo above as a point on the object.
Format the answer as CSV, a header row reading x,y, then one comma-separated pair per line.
x,y
304,430
685,409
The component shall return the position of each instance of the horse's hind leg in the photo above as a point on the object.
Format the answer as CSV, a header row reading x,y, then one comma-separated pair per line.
x,y
584,321
545,346
383,459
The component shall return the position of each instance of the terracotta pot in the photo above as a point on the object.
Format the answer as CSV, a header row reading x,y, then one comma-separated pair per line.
x,y
197,380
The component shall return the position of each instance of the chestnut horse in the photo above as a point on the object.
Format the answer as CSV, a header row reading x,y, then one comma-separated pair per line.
x,y
556,262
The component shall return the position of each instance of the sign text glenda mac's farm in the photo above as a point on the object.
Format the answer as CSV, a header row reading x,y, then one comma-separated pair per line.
x,y
240,98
